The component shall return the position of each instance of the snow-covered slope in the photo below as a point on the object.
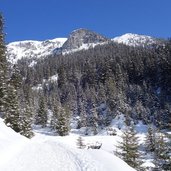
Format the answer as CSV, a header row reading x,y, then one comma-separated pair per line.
x,y
10,143
32,49
135,40
47,152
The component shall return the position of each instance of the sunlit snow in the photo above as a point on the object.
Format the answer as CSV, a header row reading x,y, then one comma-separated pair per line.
x,y
48,152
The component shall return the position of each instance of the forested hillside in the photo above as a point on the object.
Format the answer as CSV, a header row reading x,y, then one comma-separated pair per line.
x,y
98,83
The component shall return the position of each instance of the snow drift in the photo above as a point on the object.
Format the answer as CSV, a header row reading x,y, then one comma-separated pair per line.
x,y
48,152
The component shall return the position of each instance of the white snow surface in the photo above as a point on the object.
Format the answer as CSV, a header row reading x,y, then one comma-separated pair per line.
x,y
135,40
10,143
32,49
53,153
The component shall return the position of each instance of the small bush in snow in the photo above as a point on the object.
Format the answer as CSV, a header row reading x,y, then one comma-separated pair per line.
x,y
96,145
111,132
80,143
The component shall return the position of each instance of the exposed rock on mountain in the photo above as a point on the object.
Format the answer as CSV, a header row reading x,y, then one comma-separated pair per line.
x,y
82,37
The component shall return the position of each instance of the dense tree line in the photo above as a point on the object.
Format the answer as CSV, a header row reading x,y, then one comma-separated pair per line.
x,y
98,83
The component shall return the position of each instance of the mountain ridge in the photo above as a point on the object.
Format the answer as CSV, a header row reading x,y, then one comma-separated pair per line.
x,y
79,39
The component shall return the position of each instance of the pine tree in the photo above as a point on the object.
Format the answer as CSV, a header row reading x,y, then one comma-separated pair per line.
x,y
3,70
12,114
18,121
128,148
150,139
16,79
94,120
80,143
162,153
83,112
56,110
41,117
63,122
27,121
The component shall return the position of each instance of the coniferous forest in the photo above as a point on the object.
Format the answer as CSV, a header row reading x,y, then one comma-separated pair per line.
x,y
99,83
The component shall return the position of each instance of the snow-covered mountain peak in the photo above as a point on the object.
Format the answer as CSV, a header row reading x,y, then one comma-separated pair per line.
x,y
135,40
32,48
78,30
79,39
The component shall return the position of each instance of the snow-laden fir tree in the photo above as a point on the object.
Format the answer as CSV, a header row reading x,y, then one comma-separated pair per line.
x,y
12,113
94,120
3,69
26,119
128,148
80,143
41,117
55,110
63,121
162,156
82,104
150,139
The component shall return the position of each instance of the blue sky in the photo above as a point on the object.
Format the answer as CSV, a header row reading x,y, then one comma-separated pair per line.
x,y
46,19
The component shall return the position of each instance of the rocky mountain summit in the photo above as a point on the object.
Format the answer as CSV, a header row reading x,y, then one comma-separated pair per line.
x,y
80,37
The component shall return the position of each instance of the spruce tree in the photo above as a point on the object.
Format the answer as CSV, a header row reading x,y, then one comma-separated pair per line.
x,y
16,79
63,122
26,121
80,143
94,120
150,139
162,153
128,148
41,117
12,113
3,69
82,111
55,110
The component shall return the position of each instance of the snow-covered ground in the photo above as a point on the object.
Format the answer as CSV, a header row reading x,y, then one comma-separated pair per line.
x,y
32,49
53,153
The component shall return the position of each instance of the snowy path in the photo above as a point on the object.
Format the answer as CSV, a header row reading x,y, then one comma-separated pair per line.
x,y
46,152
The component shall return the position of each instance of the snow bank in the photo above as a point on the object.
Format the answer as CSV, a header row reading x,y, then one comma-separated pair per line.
x,y
10,143
48,152
110,162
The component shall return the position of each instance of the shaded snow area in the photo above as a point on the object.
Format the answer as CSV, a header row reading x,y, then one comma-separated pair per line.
x,y
46,152
46,82
84,46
